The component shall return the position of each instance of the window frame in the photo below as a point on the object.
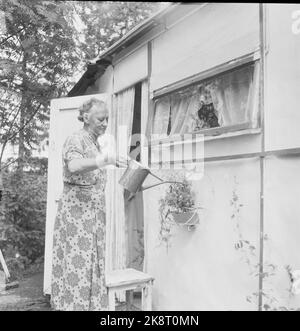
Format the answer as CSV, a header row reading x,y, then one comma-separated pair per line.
x,y
210,133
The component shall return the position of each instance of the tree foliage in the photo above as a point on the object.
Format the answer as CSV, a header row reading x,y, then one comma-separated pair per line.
x,y
106,22
22,216
42,46
38,57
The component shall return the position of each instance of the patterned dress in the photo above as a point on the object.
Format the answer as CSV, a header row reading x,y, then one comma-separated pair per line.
x,y
78,280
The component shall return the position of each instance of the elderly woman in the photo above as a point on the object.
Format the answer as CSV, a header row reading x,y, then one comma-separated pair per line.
x,y
79,233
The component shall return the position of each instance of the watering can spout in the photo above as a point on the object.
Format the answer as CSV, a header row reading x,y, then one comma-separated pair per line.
x,y
143,188
134,176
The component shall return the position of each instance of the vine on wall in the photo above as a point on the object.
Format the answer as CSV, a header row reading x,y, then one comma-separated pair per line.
x,y
249,256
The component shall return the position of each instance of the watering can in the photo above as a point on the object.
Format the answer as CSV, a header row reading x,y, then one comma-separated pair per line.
x,y
134,176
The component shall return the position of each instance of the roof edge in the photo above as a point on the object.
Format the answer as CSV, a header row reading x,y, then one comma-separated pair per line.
x,y
105,59
136,30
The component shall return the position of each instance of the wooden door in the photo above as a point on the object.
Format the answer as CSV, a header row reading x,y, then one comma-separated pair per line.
x,y
63,122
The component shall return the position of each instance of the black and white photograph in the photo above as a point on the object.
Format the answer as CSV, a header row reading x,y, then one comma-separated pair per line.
x,y
149,158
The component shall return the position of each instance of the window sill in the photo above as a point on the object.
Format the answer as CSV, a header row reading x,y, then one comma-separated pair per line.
x,y
234,134
208,135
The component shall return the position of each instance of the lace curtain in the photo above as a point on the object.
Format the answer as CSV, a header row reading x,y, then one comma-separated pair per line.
x,y
235,97
121,115
231,98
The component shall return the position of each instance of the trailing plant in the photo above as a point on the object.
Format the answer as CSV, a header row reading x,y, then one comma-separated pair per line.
x,y
138,260
178,198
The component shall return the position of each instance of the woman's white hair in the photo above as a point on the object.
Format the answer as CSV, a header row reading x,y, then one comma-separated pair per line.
x,y
87,106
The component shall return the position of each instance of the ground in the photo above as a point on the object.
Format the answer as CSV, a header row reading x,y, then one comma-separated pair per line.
x,y
28,296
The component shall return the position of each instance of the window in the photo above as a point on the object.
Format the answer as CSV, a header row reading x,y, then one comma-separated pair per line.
x,y
228,100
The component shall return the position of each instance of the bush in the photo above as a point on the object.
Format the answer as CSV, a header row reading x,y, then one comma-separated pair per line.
x,y
22,218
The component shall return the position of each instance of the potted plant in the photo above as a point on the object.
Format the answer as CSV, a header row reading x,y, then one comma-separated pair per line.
x,y
179,204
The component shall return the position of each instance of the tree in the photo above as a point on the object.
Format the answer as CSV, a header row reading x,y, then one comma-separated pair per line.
x,y
106,22
38,57
41,47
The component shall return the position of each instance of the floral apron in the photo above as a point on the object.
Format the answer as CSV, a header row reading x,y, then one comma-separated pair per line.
x,y
78,267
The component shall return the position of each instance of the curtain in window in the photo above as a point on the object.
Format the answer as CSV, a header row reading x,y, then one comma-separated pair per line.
x,y
232,96
190,113
161,116
235,96
173,113
121,115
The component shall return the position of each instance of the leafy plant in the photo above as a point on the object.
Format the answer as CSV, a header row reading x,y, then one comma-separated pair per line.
x,y
138,259
22,219
179,197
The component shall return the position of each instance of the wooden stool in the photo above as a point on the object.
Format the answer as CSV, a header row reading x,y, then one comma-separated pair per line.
x,y
128,280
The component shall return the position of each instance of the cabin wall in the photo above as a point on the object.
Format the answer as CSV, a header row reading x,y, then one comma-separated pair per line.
x,y
282,230
201,269
205,269
213,35
282,116
282,178
131,69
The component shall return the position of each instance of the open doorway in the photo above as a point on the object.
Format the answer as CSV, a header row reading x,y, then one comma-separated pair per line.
x,y
134,209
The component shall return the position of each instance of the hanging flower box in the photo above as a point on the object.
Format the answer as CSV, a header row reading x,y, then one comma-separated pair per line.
x,y
189,218
178,206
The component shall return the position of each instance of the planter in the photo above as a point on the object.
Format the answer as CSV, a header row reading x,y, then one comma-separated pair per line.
x,y
189,219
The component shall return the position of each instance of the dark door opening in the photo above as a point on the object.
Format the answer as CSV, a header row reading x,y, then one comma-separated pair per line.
x,y
134,210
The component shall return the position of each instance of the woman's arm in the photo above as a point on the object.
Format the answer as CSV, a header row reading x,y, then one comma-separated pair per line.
x,y
79,166
107,157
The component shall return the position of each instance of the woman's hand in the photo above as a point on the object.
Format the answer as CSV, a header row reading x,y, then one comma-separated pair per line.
x,y
108,152
109,157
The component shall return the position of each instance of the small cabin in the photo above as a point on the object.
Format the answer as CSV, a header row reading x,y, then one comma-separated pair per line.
x,y
228,75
